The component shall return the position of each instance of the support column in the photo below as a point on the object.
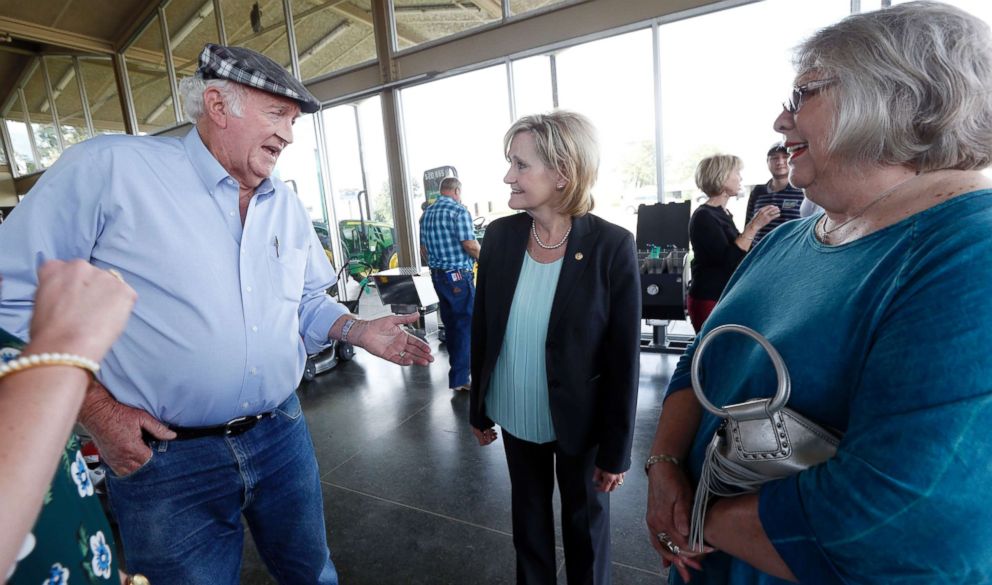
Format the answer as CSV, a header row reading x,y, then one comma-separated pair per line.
x,y
392,123
124,94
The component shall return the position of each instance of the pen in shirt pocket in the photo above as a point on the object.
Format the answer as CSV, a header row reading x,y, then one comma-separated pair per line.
x,y
275,242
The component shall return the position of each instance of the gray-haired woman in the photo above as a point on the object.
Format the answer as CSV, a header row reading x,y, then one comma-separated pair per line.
x,y
882,312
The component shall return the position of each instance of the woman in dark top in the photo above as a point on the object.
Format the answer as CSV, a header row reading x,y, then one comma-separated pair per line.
x,y
717,245
555,338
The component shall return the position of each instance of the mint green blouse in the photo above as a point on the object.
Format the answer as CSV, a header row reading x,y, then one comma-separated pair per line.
x,y
518,392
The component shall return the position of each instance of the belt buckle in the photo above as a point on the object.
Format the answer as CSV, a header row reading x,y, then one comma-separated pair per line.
x,y
236,426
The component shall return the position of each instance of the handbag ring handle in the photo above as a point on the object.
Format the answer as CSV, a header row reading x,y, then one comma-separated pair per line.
x,y
781,373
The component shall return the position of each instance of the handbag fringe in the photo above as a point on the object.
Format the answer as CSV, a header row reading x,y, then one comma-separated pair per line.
x,y
723,478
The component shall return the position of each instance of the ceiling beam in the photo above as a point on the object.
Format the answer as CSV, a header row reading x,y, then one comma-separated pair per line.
x,y
352,12
205,10
60,86
142,17
30,31
333,64
492,8
324,41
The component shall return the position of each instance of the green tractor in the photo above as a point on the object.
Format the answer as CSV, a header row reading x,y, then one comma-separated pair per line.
x,y
370,246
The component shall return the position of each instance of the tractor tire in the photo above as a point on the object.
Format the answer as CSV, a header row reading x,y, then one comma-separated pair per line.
x,y
388,258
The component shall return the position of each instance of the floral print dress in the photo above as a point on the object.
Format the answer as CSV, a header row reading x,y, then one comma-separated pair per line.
x,y
71,542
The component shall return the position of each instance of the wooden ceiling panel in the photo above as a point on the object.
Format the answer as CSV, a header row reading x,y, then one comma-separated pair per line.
x,y
192,24
100,19
38,12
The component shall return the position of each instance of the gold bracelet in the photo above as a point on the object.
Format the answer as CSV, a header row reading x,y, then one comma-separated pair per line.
x,y
137,579
658,458
26,362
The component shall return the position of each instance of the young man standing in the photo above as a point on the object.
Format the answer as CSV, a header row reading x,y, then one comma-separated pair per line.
x,y
778,191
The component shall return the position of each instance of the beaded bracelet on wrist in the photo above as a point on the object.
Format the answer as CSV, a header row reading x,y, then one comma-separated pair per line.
x,y
658,459
26,362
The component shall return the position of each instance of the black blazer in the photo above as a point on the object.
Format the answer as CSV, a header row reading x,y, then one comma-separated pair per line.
x,y
593,345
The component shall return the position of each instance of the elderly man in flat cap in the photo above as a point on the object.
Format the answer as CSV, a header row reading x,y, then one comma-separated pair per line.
x,y
194,410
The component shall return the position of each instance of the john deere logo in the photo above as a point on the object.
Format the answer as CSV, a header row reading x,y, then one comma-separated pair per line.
x,y
9,354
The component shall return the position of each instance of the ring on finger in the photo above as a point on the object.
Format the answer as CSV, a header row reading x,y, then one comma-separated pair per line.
x,y
666,541
402,354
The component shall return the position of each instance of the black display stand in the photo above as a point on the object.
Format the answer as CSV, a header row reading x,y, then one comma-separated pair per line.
x,y
663,279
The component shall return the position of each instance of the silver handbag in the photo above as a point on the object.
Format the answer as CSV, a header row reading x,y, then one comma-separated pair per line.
x,y
759,440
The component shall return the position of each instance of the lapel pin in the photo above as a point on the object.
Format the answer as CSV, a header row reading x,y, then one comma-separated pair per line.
x,y
579,256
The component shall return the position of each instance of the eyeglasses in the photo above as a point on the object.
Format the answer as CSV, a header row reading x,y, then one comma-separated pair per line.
x,y
800,92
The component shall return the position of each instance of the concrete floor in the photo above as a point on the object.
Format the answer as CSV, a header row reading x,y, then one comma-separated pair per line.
x,y
411,498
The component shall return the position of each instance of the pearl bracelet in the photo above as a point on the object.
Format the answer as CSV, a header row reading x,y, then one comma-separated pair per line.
x,y
27,362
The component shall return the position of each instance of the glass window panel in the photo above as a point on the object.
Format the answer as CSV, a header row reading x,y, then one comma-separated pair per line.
x,y
331,36
593,78
150,87
374,155
46,142
441,129
355,136
343,159
714,102
3,155
23,158
45,139
869,5
532,85
101,91
522,6
259,25
298,163
192,24
419,21
980,8
65,90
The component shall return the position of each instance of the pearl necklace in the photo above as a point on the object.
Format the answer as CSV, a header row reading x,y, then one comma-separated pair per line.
x,y
821,226
537,238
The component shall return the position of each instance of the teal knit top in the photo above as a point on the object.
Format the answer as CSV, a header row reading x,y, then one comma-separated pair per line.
x,y
518,392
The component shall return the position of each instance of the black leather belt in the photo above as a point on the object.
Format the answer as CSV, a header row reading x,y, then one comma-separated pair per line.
x,y
231,428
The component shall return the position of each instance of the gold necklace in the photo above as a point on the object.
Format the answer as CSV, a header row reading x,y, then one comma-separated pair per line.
x,y
821,226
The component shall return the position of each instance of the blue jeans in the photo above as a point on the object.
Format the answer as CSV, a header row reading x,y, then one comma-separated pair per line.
x,y
180,513
455,300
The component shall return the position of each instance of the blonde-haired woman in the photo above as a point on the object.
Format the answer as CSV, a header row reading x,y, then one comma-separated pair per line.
x,y
718,247
555,338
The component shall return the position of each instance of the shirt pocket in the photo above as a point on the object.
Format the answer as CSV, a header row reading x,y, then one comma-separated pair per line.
x,y
287,269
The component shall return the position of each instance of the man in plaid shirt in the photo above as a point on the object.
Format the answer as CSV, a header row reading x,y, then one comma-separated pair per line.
x,y
447,241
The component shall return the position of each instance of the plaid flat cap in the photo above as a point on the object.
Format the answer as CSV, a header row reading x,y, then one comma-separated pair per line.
x,y
254,70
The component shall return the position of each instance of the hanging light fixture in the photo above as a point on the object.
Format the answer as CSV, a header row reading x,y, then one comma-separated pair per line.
x,y
256,18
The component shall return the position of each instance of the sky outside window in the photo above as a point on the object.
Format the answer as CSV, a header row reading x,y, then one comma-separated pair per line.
x,y
724,76
460,121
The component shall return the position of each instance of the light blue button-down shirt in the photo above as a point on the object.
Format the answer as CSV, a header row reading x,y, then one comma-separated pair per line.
x,y
225,315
